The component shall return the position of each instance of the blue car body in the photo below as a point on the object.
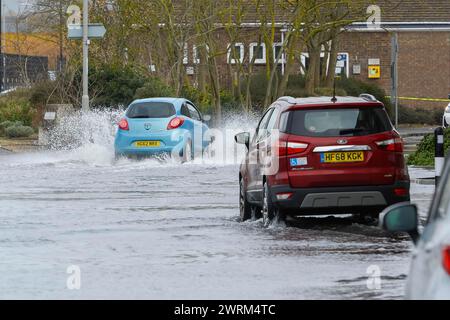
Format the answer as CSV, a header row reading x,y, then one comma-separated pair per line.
x,y
155,130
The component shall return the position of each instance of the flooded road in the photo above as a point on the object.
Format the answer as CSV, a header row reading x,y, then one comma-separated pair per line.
x,y
149,230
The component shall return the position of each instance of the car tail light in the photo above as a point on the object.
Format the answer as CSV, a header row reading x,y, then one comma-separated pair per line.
x,y
290,148
284,195
123,125
446,259
395,144
175,123
401,192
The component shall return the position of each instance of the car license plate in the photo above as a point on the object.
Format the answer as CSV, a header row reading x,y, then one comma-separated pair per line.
x,y
341,157
147,144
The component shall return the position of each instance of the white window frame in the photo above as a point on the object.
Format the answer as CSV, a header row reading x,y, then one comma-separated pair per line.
x,y
185,54
253,45
230,59
283,55
195,53
305,55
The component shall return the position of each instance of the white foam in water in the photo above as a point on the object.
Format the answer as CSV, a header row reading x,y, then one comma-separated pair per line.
x,y
88,137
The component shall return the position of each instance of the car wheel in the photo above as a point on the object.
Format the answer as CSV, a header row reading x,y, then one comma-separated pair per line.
x,y
244,206
188,155
268,210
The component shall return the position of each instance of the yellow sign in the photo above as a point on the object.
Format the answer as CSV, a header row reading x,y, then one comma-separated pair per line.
x,y
374,72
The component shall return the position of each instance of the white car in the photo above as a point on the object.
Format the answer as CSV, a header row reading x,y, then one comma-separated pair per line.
x,y
429,276
446,117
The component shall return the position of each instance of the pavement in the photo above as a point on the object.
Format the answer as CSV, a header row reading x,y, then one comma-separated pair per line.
x,y
18,145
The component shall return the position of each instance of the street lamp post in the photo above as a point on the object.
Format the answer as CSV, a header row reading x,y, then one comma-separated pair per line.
x,y
85,98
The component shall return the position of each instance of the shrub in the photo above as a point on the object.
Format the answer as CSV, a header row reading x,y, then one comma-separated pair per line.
x,y
229,103
115,86
329,92
6,124
16,110
424,156
153,87
43,93
420,115
355,87
19,131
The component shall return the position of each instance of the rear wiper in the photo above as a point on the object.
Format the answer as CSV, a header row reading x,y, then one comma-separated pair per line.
x,y
139,117
349,131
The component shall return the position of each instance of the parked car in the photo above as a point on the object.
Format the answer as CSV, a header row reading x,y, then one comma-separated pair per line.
x,y
334,157
429,276
446,117
156,126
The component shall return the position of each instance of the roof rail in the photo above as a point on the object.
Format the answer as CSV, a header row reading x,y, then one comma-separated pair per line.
x,y
368,97
287,99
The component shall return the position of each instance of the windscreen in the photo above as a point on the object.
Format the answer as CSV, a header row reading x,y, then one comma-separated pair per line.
x,y
340,122
151,110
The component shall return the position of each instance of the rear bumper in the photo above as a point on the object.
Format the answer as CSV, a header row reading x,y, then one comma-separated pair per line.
x,y
171,142
360,199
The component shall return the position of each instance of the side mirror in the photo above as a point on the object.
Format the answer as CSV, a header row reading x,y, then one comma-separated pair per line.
x,y
401,217
206,118
243,138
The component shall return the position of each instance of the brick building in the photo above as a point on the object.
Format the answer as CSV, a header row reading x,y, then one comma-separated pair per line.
x,y
423,32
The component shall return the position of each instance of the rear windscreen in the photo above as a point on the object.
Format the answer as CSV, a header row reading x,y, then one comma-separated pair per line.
x,y
339,122
151,110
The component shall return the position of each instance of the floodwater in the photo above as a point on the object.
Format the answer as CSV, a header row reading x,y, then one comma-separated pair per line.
x,y
155,230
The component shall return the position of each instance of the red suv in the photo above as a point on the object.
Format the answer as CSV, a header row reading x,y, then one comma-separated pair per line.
x,y
332,156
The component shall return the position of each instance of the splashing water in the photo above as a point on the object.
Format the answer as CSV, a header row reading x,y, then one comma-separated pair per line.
x,y
88,137
84,128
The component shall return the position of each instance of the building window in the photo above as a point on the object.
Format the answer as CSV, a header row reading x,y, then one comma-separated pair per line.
x,y
236,53
342,64
196,54
277,58
185,53
258,50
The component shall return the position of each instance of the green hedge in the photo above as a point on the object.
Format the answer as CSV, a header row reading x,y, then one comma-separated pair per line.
x,y
16,110
424,156
19,131
420,115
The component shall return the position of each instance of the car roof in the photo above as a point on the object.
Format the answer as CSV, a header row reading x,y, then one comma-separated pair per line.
x,y
160,99
327,101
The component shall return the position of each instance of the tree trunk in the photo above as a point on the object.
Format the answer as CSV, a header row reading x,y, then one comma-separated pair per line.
x,y
214,76
333,60
311,73
292,46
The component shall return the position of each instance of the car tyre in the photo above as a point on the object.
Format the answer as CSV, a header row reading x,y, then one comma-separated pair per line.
x,y
188,154
269,211
267,206
245,208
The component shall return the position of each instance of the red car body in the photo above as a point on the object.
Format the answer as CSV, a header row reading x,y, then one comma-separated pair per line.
x,y
360,169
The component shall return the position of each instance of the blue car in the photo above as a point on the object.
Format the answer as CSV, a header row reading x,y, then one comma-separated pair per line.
x,y
162,126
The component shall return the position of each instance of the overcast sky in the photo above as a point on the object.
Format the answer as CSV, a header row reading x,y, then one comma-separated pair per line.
x,y
13,4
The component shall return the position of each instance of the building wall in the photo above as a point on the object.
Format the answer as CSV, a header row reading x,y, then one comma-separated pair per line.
x,y
362,46
33,45
423,63
424,67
